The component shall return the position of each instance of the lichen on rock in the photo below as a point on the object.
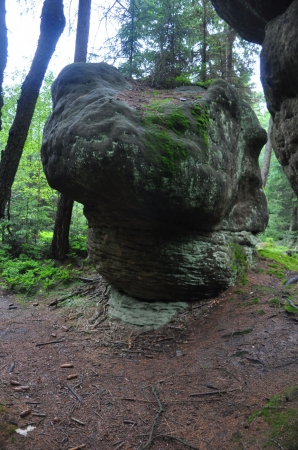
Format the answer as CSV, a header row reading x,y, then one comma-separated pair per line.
x,y
168,192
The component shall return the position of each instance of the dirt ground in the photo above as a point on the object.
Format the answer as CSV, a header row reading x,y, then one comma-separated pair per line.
x,y
192,384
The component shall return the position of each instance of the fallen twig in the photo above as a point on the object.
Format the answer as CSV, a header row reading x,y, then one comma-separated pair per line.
x,y
77,421
40,344
161,410
174,438
197,394
238,333
78,447
275,442
73,392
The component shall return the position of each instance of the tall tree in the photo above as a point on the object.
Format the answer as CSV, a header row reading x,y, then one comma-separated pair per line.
x,y
60,242
3,49
174,40
51,27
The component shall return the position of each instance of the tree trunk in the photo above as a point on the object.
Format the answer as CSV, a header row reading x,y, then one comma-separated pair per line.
x,y
3,50
83,27
231,36
60,242
267,155
51,26
203,76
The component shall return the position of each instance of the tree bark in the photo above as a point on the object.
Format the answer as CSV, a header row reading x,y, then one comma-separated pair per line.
x,y
204,44
60,241
51,26
267,155
231,36
83,27
3,51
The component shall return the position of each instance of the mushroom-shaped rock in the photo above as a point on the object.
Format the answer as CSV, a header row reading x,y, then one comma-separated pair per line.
x,y
172,190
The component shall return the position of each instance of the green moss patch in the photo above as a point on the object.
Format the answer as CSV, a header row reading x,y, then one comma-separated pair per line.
x,y
282,260
165,152
281,414
6,429
169,128
276,302
290,308
202,120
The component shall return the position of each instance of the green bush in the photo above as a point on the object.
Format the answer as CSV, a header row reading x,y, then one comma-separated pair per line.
x,y
26,276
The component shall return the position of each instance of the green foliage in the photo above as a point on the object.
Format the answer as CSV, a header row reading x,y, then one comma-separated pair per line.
x,y
275,302
291,309
24,275
282,260
33,203
240,263
173,43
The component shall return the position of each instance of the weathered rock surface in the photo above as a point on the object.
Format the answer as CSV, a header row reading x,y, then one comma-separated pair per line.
x,y
250,17
274,24
173,196
279,69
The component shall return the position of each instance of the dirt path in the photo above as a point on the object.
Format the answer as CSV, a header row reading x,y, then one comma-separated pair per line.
x,y
196,381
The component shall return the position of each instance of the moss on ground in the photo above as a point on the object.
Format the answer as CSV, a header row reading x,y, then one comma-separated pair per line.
x,y
6,429
281,414
282,260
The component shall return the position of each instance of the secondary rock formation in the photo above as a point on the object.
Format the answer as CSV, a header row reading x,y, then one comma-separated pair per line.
x,y
274,25
250,17
172,189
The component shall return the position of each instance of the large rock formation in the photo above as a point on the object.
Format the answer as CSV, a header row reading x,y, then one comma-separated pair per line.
x,y
172,192
277,31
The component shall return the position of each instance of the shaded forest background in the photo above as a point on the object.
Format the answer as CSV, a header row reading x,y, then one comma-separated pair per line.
x,y
164,44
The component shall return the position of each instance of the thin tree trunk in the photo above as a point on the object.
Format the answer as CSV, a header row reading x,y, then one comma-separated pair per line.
x,y
3,50
231,36
51,27
60,242
204,45
267,155
83,27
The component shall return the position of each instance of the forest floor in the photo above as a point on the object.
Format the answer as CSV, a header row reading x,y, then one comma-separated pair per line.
x,y
200,382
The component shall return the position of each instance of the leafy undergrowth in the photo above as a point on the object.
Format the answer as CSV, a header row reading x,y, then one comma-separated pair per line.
x,y
6,428
28,276
281,260
281,414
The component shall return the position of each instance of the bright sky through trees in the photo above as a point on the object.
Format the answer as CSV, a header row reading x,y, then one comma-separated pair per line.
x,y
23,33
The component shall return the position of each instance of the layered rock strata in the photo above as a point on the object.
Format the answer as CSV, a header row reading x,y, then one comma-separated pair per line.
x,y
172,194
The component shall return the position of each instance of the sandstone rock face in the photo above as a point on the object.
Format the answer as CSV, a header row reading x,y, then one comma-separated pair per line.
x,y
172,196
279,69
250,17
274,24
